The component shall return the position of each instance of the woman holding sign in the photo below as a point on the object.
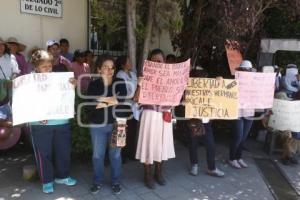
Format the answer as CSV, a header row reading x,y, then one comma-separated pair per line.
x,y
51,137
241,127
155,142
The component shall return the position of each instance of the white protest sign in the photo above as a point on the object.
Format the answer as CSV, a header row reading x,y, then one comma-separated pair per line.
x,y
286,115
52,8
43,96
256,90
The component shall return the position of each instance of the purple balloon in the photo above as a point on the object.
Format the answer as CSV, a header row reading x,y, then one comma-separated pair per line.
x,y
5,133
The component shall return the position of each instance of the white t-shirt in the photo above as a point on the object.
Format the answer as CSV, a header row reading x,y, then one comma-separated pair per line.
x,y
131,81
131,85
9,66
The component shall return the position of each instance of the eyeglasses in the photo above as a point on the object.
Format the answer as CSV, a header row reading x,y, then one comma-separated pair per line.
x,y
108,68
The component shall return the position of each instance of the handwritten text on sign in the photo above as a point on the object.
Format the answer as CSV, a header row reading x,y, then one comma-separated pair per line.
x,y
286,115
164,84
52,8
256,90
211,98
42,96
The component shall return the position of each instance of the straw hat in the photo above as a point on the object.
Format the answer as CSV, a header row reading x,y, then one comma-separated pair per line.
x,y
14,40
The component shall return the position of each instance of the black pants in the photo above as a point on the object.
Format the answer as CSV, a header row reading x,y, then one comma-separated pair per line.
x,y
209,143
52,143
131,139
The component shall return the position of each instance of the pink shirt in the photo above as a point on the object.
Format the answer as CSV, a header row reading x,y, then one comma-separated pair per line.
x,y
80,69
23,65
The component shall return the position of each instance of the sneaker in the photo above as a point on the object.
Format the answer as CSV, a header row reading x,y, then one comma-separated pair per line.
x,y
235,164
66,181
216,172
48,188
242,163
194,170
116,189
95,188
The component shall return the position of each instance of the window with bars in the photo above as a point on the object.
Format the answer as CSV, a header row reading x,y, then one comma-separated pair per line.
x,y
107,27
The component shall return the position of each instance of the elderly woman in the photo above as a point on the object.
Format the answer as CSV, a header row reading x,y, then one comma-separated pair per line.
x,y
51,139
8,69
16,48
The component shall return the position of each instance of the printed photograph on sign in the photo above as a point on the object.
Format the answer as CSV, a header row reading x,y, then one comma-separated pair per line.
x,y
211,98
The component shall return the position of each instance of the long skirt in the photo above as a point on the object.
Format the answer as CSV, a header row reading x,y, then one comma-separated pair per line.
x,y
155,142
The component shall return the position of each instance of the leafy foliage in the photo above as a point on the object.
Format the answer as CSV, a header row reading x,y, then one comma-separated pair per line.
x,y
81,141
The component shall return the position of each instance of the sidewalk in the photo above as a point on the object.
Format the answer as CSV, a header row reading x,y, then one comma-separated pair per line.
x,y
238,184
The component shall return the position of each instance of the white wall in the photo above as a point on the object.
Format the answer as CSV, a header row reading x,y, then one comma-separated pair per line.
x,y
35,30
163,42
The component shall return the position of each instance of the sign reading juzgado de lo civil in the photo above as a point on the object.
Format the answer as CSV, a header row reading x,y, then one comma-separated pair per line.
x,y
52,8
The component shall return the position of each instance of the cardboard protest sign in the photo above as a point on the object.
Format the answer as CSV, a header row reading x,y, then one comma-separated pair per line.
x,y
164,84
211,98
234,55
256,90
286,115
42,96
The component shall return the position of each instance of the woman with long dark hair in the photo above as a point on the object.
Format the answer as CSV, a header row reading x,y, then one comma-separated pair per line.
x,y
155,142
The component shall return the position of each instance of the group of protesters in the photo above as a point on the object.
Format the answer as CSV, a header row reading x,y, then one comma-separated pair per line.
x,y
150,131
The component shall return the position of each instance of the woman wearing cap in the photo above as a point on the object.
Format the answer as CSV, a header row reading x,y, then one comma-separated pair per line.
x,y
51,139
60,63
80,67
241,128
290,82
16,48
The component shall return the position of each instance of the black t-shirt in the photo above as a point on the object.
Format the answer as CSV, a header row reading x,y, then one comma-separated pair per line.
x,y
106,115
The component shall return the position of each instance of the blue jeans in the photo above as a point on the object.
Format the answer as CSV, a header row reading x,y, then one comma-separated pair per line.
x,y
52,148
5,112
242,128
209,143
100,138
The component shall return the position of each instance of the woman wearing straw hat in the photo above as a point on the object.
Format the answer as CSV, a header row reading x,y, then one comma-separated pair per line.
x,y
8,67
16,48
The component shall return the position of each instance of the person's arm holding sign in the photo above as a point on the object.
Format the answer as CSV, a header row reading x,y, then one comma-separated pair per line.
x,y
138,90
51,139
